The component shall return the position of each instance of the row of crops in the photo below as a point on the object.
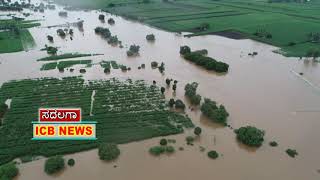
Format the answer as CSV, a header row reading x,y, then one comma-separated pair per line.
x,y
65,64
125,111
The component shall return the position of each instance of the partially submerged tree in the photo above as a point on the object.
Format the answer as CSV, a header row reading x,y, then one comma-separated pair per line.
x,y
185,50
111,21
101,17
215,113
108,151
179,104
133,50
163,142
213,154
150,37
61,33
54,164
171,102
161,68
191,93
250,136
50,38
197,131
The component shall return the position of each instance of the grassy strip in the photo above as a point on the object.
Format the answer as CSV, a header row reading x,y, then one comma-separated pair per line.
x,y
49,66
125,111
64,56
66,64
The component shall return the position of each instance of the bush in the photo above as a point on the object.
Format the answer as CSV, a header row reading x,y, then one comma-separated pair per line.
x,y
111,21
113,40
154,64
163,90
54,164
71,162
273,144
191,93
250,136
61,32
108,152
170,149
101,17
133,50
197,131
185,50
217,114
163,142
8,171
150,37
189,139
157,150
104,32
174,87
161,67
50,38
171,102
213,154
292,153
168,81
179,104
107,70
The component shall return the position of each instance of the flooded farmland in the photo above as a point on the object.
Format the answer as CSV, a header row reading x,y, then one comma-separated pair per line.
x,y
265,91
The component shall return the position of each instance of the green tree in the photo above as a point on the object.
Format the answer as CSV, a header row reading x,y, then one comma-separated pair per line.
x,y
213,154
174,87
179,104
163,90
171,102
108,151
163,142
217,114
197,131
168,81
8,171
161,67
150,37
292,153
170,149
185,50
250,136
71,162
54,164
157,150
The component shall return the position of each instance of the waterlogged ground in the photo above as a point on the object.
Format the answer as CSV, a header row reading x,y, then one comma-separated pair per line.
x,y
265,91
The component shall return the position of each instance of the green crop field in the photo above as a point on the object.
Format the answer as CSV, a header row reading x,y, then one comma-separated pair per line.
x,y
126,111
14,35
286,22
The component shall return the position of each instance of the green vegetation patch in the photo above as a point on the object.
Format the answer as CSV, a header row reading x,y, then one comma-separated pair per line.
x,y
14,35
8,171
250,136
49,66
66,64
108,151
126,111
64,56
54,164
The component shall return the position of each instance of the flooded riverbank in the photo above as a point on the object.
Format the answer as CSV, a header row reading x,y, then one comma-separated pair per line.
x,y
260,91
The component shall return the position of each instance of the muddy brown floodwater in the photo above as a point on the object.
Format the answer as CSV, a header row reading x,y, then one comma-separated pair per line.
x,y
264,91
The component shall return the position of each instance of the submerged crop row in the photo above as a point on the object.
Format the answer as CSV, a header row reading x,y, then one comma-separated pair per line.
x,y
125,111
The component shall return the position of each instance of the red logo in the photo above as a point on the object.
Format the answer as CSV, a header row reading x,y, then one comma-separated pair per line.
x,y
59,115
